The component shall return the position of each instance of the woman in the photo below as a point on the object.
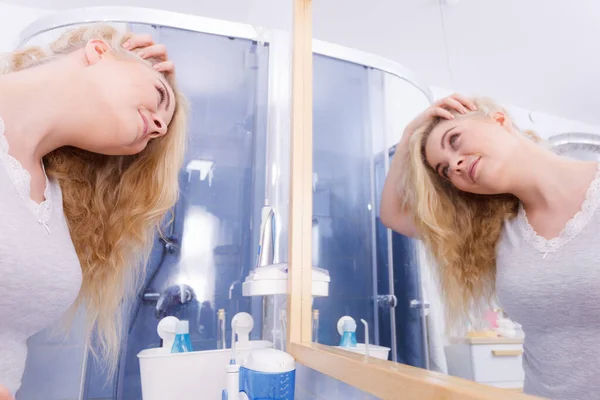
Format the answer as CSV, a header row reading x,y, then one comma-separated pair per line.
x,y
92,133
503,215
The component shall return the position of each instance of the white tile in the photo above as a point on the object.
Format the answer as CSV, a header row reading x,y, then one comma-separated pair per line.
x,y
301,394
312,385
327,387
309,380
347,392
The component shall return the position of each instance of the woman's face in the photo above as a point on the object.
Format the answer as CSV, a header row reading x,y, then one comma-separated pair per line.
x,y
474,153
132,102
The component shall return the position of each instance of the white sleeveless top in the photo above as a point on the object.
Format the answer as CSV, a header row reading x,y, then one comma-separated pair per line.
x,y
40,274
552,288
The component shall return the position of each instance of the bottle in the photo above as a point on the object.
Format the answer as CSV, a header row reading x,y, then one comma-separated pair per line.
x,y
221,329
182,342
315,326
349,335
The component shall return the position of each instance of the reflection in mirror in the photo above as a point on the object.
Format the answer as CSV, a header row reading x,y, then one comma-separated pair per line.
x,y
468,281
496,348
359,111
580,146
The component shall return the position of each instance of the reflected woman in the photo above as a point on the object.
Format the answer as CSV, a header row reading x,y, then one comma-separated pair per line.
x,y
502,215
92,133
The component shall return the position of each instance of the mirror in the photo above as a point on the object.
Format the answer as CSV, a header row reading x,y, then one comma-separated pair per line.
x,y
384,289
360,103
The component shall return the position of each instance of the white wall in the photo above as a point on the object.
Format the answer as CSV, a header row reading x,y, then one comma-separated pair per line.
x,y
13,19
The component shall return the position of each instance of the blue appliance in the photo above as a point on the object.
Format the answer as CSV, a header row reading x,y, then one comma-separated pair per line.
x,y
267,374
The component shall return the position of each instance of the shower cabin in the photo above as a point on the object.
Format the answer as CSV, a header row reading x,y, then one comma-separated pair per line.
x,y
237,80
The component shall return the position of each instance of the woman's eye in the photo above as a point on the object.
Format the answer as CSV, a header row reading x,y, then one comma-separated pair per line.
x,y
445,172
453,139
162,94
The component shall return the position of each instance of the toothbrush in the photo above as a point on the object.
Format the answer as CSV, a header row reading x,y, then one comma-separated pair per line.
x,y
233,372
233,347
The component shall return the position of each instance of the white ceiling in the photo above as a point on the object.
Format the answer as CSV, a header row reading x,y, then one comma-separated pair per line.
x,y
539,54
543,54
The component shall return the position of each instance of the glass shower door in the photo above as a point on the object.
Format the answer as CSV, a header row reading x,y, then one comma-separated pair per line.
x,y
342,196
212,240
402,102
374,274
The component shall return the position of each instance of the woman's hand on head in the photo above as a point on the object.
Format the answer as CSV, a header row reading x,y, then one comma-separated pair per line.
x,y
441,108
145,47
5,394
394,212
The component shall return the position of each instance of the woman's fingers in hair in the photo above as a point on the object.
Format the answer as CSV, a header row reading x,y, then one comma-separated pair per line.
x,y
457,102
464,101
138,41
440,112
165,66
158,51
146,48
454,104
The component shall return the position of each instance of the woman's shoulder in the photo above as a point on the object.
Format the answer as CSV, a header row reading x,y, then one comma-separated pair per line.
x,y
511,235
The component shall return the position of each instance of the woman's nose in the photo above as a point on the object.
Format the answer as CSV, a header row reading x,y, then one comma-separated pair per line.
x,y
160,128
458,164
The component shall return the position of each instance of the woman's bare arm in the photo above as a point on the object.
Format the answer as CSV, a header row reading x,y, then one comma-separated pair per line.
x,y
392,213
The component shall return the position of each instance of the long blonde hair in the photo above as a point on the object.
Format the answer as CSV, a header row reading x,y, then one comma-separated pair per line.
x,y
460,229
114,205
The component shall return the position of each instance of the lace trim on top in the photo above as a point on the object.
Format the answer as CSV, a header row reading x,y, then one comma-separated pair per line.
x,y
22,182
572,228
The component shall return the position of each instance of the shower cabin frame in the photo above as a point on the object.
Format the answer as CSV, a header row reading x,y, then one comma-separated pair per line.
x,y
290,187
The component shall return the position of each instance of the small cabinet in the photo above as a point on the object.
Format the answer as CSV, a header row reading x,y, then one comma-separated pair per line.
x,y
495,361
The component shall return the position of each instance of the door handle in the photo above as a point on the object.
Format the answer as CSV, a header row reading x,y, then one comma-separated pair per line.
x,y
507,353
387,301
419,304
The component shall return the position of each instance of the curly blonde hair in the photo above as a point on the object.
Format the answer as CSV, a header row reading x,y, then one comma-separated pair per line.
x,y
460,229
114,205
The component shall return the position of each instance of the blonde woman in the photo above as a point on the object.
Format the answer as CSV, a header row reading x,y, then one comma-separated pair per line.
x,y
92,133
504,216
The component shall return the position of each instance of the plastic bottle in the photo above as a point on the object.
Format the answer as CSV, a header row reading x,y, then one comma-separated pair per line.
x,y
349,335
182,342
315,326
